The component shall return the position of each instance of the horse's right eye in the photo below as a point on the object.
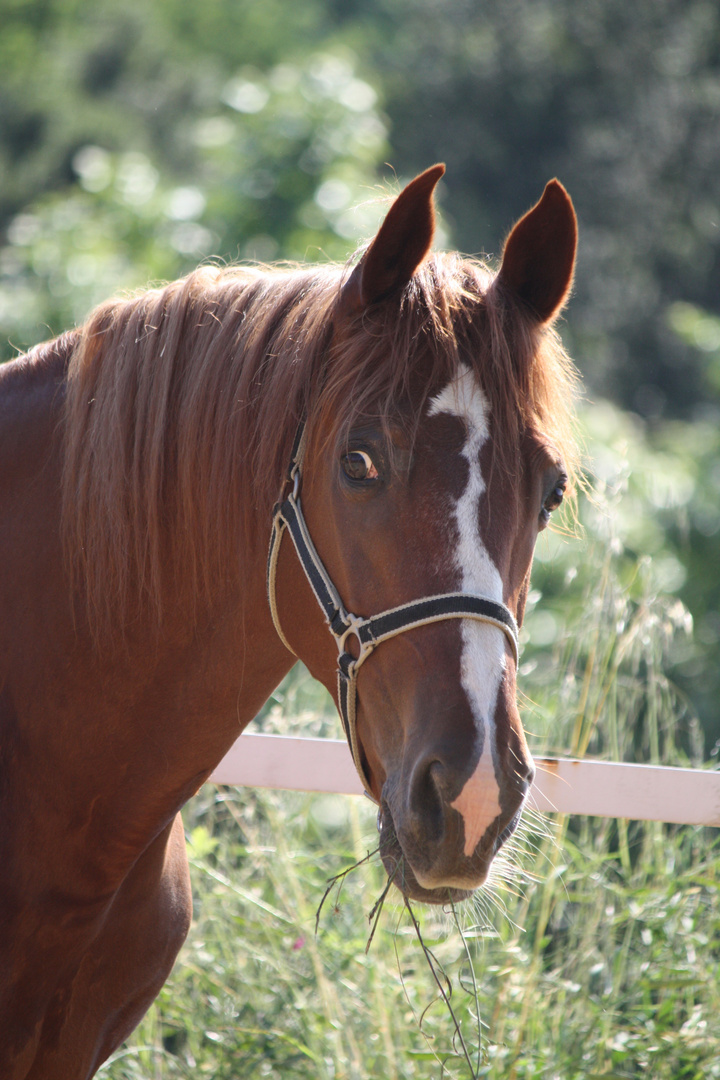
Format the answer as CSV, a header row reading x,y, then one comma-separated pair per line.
x,y
358,465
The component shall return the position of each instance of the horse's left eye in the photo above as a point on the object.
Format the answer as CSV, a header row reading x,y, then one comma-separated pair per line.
x,y
554,498
358,465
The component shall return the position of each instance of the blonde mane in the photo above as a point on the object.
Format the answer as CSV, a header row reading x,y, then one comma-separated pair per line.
x,y
182,404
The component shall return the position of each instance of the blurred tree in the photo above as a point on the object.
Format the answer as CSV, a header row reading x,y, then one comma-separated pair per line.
x,y
621,101
213,159
125,77
654,508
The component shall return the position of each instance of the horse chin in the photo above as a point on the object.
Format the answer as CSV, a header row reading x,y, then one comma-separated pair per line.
x,y
399,870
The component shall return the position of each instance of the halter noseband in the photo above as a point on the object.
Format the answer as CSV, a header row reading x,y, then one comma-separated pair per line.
x,y
370,631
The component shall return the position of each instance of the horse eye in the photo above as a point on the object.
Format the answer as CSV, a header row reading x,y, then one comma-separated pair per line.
x,y
553,500
358,465
555,497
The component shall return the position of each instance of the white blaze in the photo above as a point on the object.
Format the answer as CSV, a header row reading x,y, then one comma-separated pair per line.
x,y
483,655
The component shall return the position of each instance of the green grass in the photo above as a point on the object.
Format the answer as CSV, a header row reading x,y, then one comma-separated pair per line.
x,y
593,952
592,970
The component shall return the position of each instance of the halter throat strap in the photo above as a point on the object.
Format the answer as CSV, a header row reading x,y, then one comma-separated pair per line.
x,y
371,631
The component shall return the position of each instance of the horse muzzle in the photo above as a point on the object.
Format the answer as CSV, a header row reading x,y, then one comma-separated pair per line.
x,y
431,850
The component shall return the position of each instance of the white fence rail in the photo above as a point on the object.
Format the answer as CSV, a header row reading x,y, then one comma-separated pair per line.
x,y
562,785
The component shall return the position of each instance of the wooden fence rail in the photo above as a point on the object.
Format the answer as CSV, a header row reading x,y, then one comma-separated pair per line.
x,y
562,785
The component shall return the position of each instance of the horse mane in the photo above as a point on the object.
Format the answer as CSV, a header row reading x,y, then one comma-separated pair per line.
x,y
183,401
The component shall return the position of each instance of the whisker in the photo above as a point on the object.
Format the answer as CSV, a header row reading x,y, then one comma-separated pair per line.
x,y
531,796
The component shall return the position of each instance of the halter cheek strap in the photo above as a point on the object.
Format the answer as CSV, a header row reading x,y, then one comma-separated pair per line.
x,y
368,632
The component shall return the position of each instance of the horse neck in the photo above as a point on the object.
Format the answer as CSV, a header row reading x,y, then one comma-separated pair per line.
x,y
130,723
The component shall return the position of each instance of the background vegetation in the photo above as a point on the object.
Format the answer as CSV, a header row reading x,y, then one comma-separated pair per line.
x,y
139,139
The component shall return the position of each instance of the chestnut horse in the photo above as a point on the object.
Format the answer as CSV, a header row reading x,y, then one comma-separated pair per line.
x,y
407,423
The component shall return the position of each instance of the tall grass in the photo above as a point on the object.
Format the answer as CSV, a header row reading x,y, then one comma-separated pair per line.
x,y
593,952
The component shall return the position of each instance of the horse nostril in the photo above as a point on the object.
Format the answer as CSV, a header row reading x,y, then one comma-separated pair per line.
x,y
425,797
521,774
524,773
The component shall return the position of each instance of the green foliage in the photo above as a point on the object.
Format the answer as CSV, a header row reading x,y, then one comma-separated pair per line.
x,y
619,101
285,167
653,505
128,77
583,966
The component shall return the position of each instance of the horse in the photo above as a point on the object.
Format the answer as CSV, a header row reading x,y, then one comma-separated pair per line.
x,y
406,421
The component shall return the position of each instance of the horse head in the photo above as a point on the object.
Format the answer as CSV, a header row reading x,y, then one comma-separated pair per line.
x,y
428,470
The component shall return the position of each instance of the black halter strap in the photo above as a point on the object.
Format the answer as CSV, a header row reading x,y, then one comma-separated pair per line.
x,y
368,632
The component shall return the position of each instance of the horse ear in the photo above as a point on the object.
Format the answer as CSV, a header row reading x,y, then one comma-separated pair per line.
x,y
539,254
404,239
